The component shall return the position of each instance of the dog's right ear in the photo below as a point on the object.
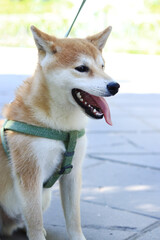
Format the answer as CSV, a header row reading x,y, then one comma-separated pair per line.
x,y
44,42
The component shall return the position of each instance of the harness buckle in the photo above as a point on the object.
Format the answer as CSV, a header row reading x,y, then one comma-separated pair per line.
x,y
67,167
69,154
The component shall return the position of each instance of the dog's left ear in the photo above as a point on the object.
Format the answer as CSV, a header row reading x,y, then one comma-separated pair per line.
x,y
44,42
99,39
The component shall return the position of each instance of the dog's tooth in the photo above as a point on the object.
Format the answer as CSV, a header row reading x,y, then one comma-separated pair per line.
x,y
89,105
94,111
81,99
79,95
98,114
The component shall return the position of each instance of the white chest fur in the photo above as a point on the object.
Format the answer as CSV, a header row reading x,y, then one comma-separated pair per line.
x,y
48,154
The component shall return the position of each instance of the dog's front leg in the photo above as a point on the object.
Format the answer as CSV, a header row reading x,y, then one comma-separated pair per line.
x,y
70,186
70,193
29,187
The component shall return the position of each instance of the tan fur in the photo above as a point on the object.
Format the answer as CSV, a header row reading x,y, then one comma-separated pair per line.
x,y
6,180
45,100
18,109
25,166
79,46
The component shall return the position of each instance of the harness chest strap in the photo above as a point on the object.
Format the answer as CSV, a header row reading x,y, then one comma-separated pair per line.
x,y
69,139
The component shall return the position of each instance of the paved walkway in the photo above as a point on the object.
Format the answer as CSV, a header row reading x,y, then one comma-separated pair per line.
x,y
121,172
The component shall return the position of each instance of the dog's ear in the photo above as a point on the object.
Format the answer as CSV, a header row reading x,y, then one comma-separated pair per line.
x,y
44,42
99,39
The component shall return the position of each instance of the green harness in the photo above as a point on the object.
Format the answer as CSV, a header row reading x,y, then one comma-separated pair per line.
x,y
69,139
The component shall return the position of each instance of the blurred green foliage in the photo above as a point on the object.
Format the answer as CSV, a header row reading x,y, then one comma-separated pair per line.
x,y
136,24
153,5
30,6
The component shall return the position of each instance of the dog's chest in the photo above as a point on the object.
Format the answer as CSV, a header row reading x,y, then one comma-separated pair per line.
x,y
49,155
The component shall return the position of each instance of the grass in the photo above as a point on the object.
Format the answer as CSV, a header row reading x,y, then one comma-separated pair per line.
x,y
135,24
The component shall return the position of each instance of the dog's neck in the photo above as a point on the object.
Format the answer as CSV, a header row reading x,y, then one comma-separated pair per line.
x,y
36,104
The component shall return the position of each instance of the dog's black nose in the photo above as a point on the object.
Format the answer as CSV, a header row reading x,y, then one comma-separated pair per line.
x,y
113,87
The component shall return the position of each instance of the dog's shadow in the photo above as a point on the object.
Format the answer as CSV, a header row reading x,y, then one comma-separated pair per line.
x,y
18,235
51,234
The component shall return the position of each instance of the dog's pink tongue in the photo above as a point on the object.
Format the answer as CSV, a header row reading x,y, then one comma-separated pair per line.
x,y
104,108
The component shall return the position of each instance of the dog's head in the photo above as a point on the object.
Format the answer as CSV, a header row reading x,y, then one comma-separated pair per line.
x,y
74,71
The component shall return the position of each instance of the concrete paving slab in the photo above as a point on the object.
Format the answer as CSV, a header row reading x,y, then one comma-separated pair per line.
x,y
108,223
90,222
127,143
126,187
115,143
98,222
149,142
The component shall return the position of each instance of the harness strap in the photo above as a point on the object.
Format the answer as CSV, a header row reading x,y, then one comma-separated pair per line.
x,y
69,139
67,160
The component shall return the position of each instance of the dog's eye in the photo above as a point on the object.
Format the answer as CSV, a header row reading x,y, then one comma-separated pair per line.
x,y
82,68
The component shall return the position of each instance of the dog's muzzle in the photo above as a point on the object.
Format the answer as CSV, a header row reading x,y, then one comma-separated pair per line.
x,y
113,87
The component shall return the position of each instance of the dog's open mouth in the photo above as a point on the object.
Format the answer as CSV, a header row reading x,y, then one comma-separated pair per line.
x,y
95,107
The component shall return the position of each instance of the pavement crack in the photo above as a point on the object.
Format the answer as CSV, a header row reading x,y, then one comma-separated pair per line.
x,y
144,231
94,156
110,228
55,225
100,227
134,144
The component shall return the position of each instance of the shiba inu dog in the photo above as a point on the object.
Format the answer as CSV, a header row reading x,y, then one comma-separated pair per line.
x,y
68,85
